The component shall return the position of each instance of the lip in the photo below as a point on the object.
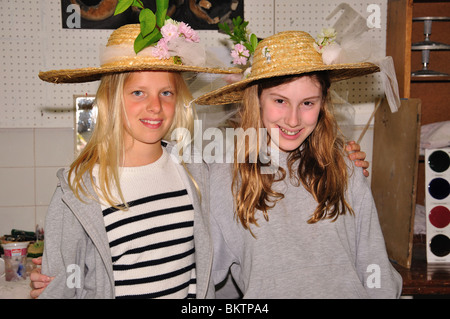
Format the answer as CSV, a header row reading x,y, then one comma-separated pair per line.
x,y
152,123
284,133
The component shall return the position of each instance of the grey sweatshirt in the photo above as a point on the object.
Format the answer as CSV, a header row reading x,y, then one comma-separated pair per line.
x,y
289,258
77,249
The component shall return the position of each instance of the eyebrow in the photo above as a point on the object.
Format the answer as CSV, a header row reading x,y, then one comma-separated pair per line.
x,y
139,87
274,94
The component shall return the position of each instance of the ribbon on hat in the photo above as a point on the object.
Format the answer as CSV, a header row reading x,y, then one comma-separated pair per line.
x,y
353,49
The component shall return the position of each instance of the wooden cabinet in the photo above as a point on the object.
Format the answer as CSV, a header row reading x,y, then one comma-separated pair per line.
x,y
433,92
398,171
401,33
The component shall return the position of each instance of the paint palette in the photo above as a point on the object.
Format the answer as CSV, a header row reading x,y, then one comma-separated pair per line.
x,y
437,204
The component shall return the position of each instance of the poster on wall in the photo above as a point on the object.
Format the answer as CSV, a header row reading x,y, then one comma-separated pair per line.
x,y
99,14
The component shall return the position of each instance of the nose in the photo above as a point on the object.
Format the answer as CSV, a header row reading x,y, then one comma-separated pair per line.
x,y
292,117
154,104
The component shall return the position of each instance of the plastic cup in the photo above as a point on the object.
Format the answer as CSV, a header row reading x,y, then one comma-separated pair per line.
x,y
14,261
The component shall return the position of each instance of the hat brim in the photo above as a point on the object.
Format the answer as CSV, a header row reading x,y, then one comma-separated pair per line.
x,y
94,74
233,93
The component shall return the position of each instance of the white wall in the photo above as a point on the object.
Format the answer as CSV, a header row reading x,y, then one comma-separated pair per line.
x,y
28,165
37,118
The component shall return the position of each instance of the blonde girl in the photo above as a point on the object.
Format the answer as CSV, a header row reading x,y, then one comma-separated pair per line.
x,y
127,220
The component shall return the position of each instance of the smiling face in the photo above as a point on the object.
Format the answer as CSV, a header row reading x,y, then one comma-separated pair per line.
x,y
292,109
150,100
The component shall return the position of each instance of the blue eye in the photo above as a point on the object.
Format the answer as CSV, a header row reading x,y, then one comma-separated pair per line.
x,y
166,93
137,93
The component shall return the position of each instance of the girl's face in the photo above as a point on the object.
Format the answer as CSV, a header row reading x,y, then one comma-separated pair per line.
x,y
292,109
150,100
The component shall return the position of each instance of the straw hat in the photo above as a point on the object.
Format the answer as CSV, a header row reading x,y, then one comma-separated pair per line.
x,y
285,53
124,59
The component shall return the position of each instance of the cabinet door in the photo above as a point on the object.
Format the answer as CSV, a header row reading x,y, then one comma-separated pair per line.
x,y
394,175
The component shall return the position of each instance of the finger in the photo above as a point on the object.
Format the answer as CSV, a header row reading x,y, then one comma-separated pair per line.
x,y
37,261
37,280
359,155
365,173
35,273
35,293
352,147
37,285
362,164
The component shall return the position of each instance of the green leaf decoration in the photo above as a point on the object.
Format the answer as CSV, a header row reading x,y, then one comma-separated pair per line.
x,y
142,42
122,5
225,28
148,21
253,41
177,60
240,34
138,4
161,12
162,4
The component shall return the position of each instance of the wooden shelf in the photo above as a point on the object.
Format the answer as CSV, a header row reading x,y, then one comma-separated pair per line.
x,y
423,278
430,78
391,181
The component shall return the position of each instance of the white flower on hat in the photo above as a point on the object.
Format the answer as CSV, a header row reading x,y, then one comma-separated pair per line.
x,y
327,35
331,53
325,45
324,38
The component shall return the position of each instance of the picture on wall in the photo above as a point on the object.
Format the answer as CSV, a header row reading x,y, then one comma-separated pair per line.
x,y
99,14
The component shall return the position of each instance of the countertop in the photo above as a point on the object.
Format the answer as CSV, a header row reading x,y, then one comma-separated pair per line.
x,y
15,289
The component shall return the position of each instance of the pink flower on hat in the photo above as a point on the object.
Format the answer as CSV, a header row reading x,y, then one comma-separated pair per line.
x,y
170,31
189,33
240,54
161,51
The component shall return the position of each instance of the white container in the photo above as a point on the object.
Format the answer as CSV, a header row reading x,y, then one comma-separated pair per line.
x,y
13,262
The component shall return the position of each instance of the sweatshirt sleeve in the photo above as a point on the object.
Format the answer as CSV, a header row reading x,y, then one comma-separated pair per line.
x,y
222,232
222,257
379,277
52,259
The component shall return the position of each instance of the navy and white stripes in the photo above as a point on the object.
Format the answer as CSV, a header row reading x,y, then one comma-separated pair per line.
x,y
152,243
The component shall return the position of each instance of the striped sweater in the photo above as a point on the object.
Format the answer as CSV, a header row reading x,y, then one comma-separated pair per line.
x,y
152,243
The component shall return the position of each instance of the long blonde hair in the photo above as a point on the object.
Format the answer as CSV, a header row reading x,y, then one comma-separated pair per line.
x,y
106,144
322,169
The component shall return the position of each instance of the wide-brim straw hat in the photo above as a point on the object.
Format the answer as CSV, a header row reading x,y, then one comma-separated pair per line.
x,y
126,61
285,53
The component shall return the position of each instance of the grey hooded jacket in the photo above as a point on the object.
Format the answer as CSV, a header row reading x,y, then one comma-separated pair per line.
x,y
77,250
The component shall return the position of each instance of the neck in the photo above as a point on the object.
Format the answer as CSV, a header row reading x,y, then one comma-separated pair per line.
x,y
140,155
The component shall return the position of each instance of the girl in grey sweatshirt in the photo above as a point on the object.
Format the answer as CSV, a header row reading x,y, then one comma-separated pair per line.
x,y
308,229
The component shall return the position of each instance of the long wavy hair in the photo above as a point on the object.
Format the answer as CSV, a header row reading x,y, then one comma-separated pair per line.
x,y
106,145
318,164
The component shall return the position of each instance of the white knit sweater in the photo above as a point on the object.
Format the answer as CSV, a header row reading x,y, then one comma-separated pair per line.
x,y
152,243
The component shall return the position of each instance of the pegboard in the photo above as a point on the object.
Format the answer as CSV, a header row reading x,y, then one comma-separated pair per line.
x,y
311,16
32,40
